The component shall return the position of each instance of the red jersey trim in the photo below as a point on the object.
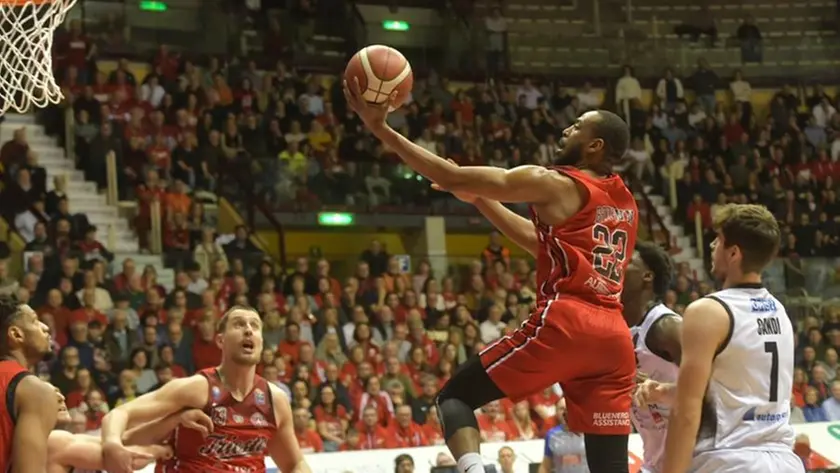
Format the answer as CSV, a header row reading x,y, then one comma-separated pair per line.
x,y
10,394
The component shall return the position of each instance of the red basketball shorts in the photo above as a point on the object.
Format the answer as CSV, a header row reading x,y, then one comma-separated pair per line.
x,y
584,347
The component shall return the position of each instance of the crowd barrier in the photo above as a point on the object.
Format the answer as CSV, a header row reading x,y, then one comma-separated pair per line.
x,y
824,436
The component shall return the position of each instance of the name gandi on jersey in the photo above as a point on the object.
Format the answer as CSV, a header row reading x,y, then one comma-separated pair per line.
x,y
766,325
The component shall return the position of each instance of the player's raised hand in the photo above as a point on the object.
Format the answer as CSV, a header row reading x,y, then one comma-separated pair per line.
x,y
117,458
650,392
462,196
196,419
373,115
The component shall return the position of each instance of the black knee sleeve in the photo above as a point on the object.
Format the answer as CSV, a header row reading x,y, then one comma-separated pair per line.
x,y
606,453
468,389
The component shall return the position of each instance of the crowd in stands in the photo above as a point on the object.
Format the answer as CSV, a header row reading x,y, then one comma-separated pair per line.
x,y
363,354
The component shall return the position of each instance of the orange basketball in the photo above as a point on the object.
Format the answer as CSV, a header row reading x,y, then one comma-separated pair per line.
x,y
381,70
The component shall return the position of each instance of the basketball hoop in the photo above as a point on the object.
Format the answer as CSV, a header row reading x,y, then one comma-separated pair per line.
x,y
26,38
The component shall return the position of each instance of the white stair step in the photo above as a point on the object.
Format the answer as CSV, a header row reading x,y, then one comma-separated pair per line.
x,y
84,200
83,196
61,165
74,187
45,152
20,119
32,131
34,140
93,212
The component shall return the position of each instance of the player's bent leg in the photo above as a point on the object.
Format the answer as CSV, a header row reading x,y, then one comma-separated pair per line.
x,y
468,389
599,397
607,453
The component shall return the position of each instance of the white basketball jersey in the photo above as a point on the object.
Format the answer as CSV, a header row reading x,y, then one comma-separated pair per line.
x,y
747,404
651,421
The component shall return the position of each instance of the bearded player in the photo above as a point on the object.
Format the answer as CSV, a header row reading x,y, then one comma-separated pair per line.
x,y
24,424
251,416
582,231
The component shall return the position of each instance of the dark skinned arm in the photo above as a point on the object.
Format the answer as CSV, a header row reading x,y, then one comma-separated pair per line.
x,y
665,338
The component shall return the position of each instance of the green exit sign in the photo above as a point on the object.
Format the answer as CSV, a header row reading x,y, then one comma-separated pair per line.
x,y
395,25
335,219
151,5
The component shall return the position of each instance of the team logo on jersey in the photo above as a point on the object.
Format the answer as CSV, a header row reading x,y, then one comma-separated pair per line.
x,y
216,393
259,397
258,419
238,418
763,305
220,415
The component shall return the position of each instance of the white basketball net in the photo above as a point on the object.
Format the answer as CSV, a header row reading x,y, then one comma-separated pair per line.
x,y
26,39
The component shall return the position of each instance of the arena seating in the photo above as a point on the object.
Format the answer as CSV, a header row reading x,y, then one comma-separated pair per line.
x,y
154,228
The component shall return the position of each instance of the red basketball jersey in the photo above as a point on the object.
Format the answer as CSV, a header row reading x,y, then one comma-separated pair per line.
x,y
11,372
586,255
240,435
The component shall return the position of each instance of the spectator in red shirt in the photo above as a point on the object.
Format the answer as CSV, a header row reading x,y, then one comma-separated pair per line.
x,y
372,434
544,405
558,419
331,418
521,425
406,433
290,347
309,440
432,429
378,399
206,353
698,205
493,425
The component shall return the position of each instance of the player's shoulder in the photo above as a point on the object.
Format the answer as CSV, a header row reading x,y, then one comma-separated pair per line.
x,y
192,391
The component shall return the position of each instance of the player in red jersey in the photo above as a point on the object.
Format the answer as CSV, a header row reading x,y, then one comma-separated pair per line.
x,y
24,424
250,416
582,231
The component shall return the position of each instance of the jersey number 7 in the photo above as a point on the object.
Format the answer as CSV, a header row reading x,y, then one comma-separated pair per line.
x,y
609,252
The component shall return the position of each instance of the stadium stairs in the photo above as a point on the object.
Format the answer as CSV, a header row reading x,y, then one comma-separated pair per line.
x,y
681,245
113,230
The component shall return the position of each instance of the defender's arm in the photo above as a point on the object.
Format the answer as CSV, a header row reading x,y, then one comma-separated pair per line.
x,y
705,328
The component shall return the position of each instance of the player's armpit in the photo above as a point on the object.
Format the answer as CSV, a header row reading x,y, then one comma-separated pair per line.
x,y
36,410
283,447
171,398
516,227
666,337
705,327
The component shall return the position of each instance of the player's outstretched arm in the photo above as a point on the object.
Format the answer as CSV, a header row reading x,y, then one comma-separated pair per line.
x,y
283,447
36,411
517,228
157,431
173,397
704,329
85,452
532,184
